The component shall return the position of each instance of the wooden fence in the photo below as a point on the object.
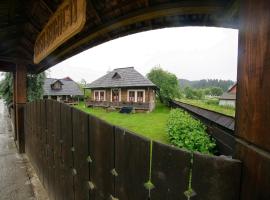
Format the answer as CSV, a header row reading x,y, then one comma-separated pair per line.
x,y
78,156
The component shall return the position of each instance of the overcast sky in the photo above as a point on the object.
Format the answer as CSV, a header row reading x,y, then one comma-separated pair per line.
x,y
191,53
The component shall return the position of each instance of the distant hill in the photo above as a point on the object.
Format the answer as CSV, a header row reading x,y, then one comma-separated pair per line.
x,y
206,83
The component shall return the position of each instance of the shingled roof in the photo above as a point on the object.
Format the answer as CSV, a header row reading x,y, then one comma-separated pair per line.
x,y
227,96
69,87
121,77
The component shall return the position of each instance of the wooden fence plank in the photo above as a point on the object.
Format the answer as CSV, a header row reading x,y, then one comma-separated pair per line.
x,y
38,148
34,140
257,163
67,188
45,147
215,178
31,134
170,172
27,128
102,155
57,150
80,140
132,156
44,138
50,150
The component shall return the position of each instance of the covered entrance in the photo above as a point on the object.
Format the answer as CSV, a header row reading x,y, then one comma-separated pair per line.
x,y
21,22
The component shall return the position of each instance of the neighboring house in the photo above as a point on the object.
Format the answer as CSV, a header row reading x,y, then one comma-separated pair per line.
x,y
65,90
123,87
229,98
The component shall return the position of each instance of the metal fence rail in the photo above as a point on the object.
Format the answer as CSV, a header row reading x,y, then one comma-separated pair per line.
x,y
78,156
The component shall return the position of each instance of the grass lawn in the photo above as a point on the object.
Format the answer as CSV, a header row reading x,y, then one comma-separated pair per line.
x,y
151,125
201,103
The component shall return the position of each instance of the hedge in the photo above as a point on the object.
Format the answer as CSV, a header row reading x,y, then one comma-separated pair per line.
x,y
186,132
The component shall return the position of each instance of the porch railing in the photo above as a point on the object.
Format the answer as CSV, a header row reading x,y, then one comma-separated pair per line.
x,y
135,105
78,156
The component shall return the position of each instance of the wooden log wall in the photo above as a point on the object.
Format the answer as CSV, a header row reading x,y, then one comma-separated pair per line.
x,y
78,156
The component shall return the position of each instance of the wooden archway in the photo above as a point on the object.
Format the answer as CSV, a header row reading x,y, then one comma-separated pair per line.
x,y
22,21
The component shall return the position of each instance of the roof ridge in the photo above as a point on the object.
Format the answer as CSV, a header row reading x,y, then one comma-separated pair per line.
x,y
60,79
123,68
130,77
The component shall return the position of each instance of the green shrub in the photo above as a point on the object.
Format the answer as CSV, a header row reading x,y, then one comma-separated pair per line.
x,y
212,101
186,132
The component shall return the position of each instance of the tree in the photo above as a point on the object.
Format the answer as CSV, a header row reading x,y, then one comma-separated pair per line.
x,y
82,84
167,84
206,83
207,91
189,93
192,93
216,91
35,84
6,88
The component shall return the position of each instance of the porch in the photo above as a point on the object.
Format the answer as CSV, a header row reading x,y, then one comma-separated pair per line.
x,y
119,105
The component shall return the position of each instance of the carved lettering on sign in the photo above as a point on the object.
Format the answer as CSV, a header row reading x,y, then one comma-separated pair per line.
x,y
67,21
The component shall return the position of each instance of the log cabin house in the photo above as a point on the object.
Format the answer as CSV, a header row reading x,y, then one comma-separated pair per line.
x,y
122,87
228,98
64,90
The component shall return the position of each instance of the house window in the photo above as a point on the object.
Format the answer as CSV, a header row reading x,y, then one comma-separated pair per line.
x,y
57,85
99,95
140,96
136,96
96,96
131,96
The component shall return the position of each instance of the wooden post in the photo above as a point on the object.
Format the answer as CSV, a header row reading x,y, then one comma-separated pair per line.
x,y
20,100
14,106
253,99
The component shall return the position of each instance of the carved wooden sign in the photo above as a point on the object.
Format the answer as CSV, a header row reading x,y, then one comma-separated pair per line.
x,y
67,21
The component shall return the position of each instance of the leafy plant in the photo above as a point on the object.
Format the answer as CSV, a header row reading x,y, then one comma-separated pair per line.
x,y
34,87
212,101
186,132
6,88
216,91
192,93
35,84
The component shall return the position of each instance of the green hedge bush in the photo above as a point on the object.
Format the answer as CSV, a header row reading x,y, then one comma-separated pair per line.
x,y
186,132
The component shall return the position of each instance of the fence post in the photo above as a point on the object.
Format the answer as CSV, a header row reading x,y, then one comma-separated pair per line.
x,y
20,100
253,99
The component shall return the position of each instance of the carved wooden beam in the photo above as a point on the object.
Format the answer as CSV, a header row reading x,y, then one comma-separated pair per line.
x,y
142,15
146,14
47,7
6,67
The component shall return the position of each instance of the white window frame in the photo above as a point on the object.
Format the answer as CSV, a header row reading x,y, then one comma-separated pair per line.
x,y
99,95
136,91
119,93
